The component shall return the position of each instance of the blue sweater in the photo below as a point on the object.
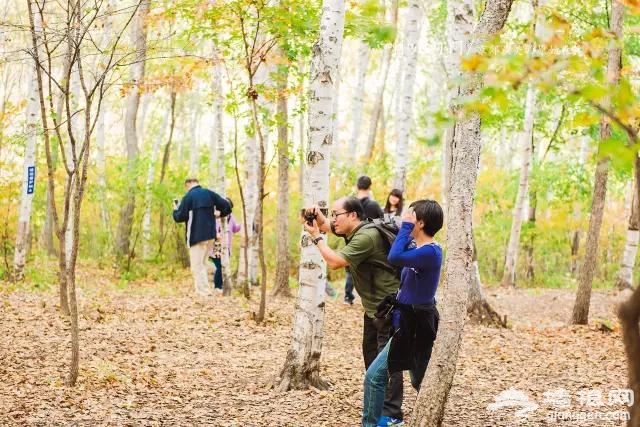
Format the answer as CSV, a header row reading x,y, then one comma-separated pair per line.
x,y
421,272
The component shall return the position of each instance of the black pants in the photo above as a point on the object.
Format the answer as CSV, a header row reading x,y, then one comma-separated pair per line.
x,y
373,341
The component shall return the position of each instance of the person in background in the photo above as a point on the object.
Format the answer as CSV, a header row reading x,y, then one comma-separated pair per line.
x,y
216,252
413,309
371,210
196,210
393,207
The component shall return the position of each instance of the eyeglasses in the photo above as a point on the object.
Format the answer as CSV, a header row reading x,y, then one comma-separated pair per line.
x,y
335,215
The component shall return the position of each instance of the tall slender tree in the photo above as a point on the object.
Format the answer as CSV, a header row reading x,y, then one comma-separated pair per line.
x,y
136,79
29,174
72,31
413,18
105,215
281,285
219,161
580,315
526,147
385,67
302,365
511,259
460,24
148,196
459,264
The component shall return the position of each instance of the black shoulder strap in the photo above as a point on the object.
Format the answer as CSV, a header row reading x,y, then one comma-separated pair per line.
x,y
364,202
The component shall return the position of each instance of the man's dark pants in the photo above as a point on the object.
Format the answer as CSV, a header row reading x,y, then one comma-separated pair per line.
x,y
373,341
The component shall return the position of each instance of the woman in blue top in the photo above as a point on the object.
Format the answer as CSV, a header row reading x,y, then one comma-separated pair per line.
x,y
415,316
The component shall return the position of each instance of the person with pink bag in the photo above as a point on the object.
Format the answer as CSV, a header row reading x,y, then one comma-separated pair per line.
x,y
216,252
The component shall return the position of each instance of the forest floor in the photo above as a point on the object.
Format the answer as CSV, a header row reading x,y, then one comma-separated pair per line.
x,y
153,354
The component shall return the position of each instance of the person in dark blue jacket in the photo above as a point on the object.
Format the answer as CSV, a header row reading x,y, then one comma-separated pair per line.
x,y
413,309
198,210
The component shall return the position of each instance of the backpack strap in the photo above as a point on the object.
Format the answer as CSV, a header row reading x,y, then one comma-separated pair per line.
x,y
383,265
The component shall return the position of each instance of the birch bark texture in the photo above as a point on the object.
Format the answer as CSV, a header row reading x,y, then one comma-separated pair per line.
x,y
527,148
459,262
460,24
526,144
28,177
218,163
302,365
580,315
413,19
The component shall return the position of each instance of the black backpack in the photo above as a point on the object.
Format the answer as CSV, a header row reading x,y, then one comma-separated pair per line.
x,y
388,230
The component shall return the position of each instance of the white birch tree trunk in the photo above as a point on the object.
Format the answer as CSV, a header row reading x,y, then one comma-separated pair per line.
x,y
137,71
460,24
624,279
105,216
251,201
580,315
302,366
511,260
283,260
358,103
378,106
101,169
218,165
513,246
458,267
410,60
148,200
28,179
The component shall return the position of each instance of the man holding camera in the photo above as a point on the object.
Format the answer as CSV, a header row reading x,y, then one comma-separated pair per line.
x,y
371,210
198,210
365,253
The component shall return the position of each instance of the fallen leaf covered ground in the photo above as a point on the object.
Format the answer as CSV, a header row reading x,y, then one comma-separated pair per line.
x,y
153,354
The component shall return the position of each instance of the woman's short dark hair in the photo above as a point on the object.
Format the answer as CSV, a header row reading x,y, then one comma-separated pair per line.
x,y
430,213
398,193
352,204
230,202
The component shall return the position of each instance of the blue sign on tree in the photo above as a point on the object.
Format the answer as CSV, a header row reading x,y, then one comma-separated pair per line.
x,y
31,179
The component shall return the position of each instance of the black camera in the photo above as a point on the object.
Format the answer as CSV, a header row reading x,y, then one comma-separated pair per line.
x,y
309,217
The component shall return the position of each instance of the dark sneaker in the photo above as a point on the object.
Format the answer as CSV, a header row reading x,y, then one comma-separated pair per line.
x,y
348,301
385,421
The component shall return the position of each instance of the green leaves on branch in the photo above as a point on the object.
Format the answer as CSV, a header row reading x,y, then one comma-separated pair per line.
x,y
366,21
